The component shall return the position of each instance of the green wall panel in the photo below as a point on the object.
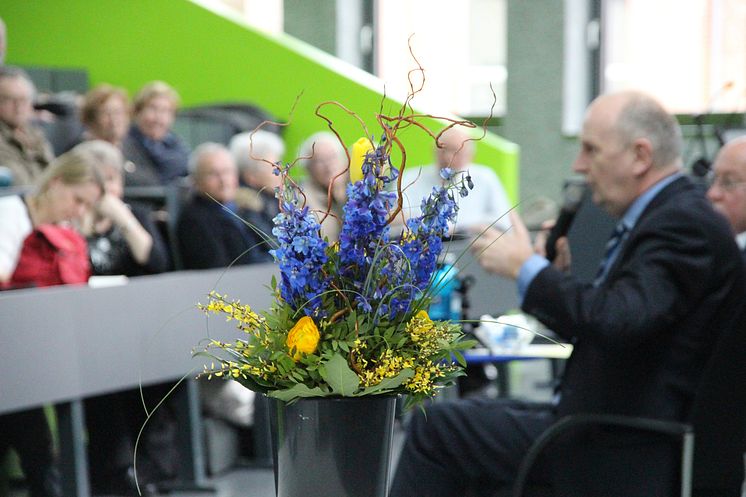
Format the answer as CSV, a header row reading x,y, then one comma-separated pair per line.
x,y
209,57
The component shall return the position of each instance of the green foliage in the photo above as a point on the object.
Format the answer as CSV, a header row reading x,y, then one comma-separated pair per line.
x,y
341,379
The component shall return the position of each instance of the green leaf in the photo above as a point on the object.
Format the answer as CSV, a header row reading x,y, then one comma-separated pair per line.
x,y
297,391
460,358
341,379
467,344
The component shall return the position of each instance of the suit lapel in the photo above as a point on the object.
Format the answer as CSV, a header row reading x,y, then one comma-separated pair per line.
x,y
661,198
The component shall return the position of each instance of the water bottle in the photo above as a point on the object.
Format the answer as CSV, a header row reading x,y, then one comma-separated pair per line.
x,y
446,301
509,338
502,335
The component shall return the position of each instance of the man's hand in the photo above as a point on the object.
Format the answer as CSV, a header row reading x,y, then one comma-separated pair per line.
x,y
503,253
563,258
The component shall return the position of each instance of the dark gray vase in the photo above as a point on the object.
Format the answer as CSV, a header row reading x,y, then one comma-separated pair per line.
x,y
338,447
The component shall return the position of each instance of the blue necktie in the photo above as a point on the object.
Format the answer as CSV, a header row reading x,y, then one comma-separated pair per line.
x,y
610,251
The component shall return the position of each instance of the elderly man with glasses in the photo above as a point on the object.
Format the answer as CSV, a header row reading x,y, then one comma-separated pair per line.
x,y
24,150
727,190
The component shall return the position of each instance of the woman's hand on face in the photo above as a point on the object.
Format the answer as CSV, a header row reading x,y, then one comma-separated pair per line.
x,y
112,207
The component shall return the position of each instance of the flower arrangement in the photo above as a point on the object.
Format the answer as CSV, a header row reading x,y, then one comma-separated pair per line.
x,y
349,318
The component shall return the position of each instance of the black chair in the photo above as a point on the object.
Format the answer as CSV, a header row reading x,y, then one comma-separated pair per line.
x,y
712,443
165,203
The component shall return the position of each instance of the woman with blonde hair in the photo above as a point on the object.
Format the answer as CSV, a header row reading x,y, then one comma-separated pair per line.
x,y
39,248
159,155
67,189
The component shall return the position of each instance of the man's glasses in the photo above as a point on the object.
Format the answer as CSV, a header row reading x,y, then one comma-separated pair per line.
x,y
10,99
725,183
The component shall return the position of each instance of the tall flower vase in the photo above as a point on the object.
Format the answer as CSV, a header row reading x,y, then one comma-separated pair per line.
x,y
337,447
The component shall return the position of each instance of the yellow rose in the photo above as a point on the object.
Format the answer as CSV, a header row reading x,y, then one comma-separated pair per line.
x,y
303,338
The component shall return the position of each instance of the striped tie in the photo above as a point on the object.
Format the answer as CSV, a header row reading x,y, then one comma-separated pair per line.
x,y
617,236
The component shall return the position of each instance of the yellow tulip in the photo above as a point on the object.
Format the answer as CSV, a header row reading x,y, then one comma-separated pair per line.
x,y
359,149
303,338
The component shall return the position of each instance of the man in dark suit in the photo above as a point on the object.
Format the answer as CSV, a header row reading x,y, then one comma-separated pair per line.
x,y
642,331
727,190
212,230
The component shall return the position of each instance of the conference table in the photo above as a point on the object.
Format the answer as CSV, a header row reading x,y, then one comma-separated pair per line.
x,y
553,352
527,352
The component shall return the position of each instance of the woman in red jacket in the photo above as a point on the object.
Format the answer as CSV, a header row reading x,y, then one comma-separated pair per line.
x,y
39,248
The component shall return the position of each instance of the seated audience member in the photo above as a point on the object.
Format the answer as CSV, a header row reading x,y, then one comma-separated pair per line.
x,y
37,249
23,148
211,230
485,204
64,193
254,153
158,154
641,333
323,157
105,113
122,238
727,191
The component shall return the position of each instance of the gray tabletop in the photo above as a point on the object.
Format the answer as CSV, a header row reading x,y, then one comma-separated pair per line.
x,y
70,342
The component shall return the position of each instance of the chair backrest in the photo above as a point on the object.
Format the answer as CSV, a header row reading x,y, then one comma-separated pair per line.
x,y
165,202
719,416
718,419
218,122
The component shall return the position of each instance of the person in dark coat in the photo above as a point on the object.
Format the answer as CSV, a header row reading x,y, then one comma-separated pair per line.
x,y
255,152
727,190
642,332
212,230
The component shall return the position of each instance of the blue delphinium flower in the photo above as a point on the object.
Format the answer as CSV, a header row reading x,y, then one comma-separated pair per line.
x,y
365,234
301,255
424,242
382,277
387,276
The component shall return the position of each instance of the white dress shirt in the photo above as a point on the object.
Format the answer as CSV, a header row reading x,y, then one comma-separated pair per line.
x,y
485,204
15,226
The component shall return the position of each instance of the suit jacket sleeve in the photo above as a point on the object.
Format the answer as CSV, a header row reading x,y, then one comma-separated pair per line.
x,y
666,268
199,245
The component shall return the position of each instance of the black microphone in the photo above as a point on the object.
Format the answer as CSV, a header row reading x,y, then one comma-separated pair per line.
x,y
574,193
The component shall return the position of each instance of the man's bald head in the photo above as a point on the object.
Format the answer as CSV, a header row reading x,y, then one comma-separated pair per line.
x,y
455,149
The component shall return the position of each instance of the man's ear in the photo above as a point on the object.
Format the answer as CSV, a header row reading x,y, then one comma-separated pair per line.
x,y
643,152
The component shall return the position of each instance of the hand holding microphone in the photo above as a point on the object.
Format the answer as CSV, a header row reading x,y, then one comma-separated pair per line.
x,y
574,193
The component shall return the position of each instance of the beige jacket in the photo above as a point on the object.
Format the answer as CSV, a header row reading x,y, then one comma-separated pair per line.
x,y
26,153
